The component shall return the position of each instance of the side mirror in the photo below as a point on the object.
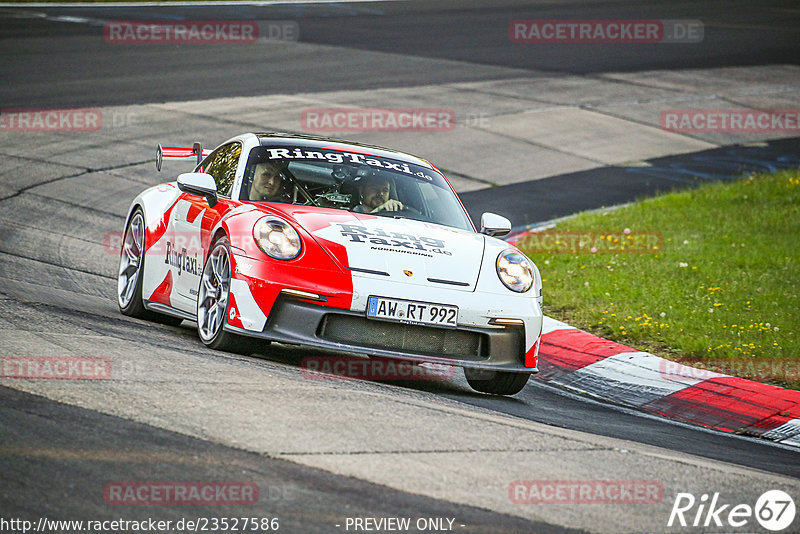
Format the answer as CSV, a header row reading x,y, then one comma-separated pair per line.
x,y
494,225
200,184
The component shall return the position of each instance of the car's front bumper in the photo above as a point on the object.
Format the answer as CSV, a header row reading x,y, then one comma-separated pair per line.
x,y
500,348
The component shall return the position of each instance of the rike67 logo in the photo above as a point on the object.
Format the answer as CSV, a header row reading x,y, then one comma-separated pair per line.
x,y
774,510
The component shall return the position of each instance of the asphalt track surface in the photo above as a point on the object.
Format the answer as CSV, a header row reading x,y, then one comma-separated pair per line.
x,y
47,62
539,201
53,457
77,451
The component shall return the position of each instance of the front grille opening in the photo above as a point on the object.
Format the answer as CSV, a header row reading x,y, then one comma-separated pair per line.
x,y
400,337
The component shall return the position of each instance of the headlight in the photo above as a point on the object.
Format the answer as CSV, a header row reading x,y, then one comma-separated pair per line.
x,y
277,238
515,271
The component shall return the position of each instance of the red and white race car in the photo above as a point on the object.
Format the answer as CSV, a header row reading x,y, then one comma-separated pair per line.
x,y
332,244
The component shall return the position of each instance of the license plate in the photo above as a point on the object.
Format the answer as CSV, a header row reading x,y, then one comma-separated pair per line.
x,y
411,311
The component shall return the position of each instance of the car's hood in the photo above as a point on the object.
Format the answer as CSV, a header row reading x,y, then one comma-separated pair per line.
x,y
399,249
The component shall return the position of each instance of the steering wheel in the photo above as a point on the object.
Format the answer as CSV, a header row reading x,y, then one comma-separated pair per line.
x,y
407,211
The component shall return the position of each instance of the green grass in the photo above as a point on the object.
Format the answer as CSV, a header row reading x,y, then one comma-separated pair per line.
x,y
721,290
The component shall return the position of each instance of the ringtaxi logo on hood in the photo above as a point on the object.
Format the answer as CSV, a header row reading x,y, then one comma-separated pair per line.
x,y
392,241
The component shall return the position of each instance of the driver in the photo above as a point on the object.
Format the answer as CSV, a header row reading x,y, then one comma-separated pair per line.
x,y
268,184
373,192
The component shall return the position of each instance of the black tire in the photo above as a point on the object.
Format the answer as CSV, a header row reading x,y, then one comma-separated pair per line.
x,y
216,275
131,271
496,382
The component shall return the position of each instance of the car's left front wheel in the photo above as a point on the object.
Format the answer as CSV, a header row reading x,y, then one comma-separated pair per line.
x,y
131,274
131,266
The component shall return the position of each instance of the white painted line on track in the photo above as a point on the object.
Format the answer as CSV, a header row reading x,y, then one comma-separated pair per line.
x,y
630,378
588,399
788,432
551,325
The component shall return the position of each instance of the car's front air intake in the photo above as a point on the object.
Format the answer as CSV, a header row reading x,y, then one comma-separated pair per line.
x,y
400,337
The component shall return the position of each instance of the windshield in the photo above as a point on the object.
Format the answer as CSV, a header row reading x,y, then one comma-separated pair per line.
x,y
351,181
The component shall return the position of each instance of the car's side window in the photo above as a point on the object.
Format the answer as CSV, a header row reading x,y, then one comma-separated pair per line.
x,y
221,164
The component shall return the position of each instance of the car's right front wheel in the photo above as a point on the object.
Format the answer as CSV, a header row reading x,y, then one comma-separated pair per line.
x,y
213,304
496,382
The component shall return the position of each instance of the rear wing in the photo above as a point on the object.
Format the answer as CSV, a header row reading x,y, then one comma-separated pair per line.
x,y
175,152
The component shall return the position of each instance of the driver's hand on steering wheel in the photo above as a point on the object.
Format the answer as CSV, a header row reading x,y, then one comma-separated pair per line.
x,y
389,205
